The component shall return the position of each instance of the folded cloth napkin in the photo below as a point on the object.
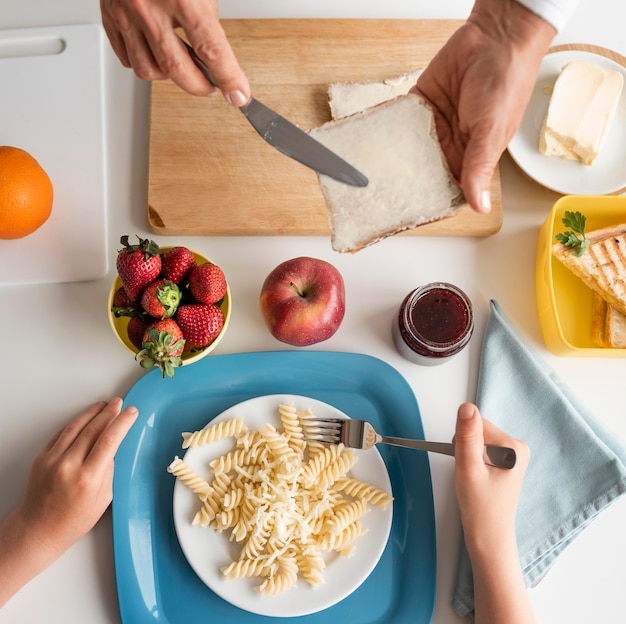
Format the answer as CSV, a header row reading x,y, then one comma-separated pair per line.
x,y
577,466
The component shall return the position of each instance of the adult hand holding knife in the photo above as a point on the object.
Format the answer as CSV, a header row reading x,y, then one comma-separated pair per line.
x,y
142,34
156,53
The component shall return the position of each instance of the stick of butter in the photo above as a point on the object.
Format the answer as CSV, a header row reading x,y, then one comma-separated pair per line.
x,y
581,107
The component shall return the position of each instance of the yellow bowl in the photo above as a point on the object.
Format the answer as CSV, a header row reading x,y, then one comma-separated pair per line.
x,y
119,324
563,300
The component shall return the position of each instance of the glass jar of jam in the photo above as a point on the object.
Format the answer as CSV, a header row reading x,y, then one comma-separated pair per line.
x,y
434,323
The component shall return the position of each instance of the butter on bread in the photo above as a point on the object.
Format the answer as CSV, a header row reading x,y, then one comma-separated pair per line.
x,y
582,105
603,266
348,98
608,325
395,145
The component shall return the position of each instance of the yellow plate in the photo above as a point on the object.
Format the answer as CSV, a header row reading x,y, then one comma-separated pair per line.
x,y
563,300
118,325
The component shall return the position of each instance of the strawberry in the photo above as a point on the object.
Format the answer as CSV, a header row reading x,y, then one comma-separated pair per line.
x,y
176,263
200,323
120,298
138,265
207,283
163,344
136,329
160,299
122,305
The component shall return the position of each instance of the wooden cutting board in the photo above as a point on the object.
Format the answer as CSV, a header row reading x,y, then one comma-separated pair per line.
x,y
211,174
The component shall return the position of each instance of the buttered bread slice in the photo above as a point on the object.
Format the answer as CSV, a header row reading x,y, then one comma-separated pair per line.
x,y
395,145
603,266
581,108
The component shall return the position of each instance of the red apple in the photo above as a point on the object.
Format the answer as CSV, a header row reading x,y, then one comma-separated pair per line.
x,y
303,301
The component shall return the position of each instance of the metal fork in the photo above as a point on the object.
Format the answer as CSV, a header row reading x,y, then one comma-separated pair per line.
x,y
360,434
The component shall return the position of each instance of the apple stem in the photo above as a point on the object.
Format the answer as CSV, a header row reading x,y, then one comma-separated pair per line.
x,y
299,292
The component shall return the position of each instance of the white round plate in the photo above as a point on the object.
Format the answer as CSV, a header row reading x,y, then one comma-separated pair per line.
x,y
207,551
607,174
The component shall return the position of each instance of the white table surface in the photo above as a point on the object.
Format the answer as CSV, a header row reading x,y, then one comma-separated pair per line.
x,y
47,376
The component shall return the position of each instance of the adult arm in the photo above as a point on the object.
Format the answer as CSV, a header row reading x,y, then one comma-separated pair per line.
x,y
69,488
487,498
142,34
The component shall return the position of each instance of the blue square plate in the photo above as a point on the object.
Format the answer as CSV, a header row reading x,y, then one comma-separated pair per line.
x,y
154,581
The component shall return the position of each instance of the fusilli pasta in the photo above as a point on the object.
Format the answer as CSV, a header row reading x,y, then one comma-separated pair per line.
x,y
286,501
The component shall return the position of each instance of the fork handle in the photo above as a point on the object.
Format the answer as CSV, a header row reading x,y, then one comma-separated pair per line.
x,y
499,456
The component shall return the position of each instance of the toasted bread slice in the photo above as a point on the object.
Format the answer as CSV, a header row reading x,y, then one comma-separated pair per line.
x,y
608,325
598,319
615,328
603,266
395,145
348,98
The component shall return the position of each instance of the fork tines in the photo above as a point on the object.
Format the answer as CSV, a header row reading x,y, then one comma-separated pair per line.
x,y
326,430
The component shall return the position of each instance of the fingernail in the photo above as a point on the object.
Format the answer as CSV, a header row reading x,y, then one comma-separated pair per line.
x,y
237,98
485,200
466,411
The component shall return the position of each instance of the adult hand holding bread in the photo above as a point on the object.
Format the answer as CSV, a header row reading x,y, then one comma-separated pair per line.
x,y
142,34
479,84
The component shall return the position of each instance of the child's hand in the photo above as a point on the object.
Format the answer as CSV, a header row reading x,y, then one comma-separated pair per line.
x,y
70,484
487,496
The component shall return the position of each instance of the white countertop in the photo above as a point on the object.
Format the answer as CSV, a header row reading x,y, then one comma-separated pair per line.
x,y
56,365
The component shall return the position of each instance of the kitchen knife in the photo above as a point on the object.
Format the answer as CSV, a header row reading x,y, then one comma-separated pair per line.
x,y
289,139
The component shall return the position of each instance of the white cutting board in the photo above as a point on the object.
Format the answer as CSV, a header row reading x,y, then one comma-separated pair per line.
x,y
52,105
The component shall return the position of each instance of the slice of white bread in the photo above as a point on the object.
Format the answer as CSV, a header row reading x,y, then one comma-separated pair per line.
x,y
348,98
395,145
603,266
608,326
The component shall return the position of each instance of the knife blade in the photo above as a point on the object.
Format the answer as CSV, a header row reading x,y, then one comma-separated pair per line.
x,y
287,138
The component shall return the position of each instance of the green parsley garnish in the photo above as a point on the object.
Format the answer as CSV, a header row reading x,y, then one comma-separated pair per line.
x,y
574,238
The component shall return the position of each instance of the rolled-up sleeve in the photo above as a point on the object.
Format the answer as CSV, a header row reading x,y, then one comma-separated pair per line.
x,y
555,12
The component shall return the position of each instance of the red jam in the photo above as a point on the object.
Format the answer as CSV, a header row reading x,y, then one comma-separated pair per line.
x,y
434,322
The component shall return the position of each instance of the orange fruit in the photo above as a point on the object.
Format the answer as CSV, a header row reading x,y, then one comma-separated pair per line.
x,y
26,193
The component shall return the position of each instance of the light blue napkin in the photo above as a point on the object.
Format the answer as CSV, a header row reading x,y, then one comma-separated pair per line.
x,y
577,466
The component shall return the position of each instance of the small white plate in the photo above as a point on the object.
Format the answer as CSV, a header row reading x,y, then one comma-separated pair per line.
x,y
207,551
607,174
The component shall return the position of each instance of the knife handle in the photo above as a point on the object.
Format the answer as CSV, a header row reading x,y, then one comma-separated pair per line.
x,y
206,72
